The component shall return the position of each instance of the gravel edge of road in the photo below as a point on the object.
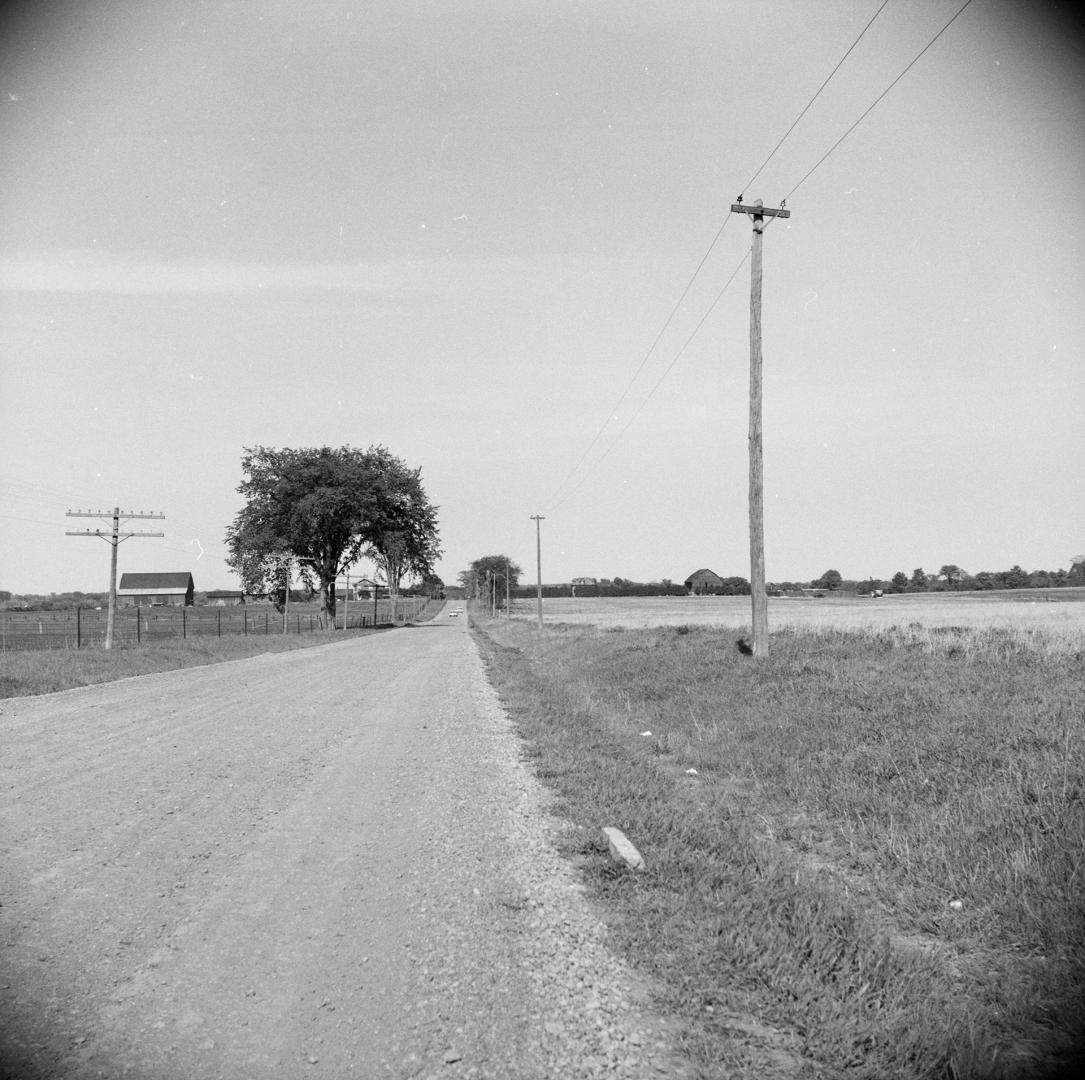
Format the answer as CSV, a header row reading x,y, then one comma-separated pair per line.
x,y
591,1013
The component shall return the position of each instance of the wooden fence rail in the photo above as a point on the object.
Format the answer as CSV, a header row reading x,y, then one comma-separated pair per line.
x,y
83,628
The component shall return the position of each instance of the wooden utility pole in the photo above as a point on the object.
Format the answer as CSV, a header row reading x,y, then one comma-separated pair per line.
x,y
758,596
537,518
114,538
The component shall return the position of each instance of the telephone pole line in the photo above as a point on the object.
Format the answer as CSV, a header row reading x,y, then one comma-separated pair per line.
x,y
538,518
760,643
113,538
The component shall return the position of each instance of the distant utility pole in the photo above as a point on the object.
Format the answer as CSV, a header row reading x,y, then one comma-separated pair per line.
x,y
760,644
537,518
113,537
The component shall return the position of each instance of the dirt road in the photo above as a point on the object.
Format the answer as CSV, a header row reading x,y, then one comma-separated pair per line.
x,y
317,864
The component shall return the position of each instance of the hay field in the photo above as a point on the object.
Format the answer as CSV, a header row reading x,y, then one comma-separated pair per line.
x,y
1048,611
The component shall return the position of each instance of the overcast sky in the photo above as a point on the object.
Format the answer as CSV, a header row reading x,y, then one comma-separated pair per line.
x,y
460,230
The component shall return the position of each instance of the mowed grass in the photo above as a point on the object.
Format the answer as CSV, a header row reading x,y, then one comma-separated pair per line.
x,y
44,671
864,851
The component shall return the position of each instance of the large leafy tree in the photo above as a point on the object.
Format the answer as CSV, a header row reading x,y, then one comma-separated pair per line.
x,y
324,508
831,580
490,568
953,575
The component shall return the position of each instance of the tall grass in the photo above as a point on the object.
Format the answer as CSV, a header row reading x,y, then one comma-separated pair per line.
x,y
875,866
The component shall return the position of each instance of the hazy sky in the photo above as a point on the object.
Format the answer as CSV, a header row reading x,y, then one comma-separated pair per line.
x,y
458,229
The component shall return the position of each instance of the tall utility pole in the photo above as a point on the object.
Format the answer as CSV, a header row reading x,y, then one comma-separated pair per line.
x,y
537,518
114,538
760,644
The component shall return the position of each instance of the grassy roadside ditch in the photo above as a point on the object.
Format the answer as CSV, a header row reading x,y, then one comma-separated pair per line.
x,y
864,852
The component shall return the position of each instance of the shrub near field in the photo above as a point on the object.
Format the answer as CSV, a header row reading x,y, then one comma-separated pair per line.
x,y
875,869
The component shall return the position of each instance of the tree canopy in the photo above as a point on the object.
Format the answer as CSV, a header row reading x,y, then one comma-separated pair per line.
x,y
325,508
831,580
490,568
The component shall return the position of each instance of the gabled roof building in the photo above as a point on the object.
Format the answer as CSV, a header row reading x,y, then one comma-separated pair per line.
x,y
154,590
703,581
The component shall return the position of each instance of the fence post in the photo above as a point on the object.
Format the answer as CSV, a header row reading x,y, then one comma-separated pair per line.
x,y
245,621
78,627
265,622
184,622
219,613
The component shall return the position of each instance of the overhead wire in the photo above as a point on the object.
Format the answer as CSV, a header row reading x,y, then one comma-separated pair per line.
x,y
817,94
870,108
555,501
636,374
659,381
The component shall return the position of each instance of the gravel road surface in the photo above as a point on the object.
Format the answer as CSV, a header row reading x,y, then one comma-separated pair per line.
x,y
318,864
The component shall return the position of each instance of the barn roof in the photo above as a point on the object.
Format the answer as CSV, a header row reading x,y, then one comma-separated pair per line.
x,y
701,573
163,583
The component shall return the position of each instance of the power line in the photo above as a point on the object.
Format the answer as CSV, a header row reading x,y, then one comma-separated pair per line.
x,y
870,108
659,382
689,284
809,104
647,356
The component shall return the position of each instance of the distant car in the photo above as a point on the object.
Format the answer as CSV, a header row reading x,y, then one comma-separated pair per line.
x,y
453,614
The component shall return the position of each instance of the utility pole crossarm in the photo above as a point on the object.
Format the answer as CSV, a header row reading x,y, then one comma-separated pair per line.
x,y
759,211
105,515
109,535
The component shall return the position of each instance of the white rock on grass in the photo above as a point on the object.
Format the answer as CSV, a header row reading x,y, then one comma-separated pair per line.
x,y
622,849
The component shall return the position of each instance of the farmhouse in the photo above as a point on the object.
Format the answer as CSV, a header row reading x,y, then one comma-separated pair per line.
x,y
701,582
363,589
154,590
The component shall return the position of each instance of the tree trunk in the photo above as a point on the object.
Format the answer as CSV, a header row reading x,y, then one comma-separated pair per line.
x,y
327,603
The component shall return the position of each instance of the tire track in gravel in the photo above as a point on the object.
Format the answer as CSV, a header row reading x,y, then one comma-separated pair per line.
x,y
316,864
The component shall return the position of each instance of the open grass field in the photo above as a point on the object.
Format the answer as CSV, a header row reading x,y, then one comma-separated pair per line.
x,y
865,851
1053,609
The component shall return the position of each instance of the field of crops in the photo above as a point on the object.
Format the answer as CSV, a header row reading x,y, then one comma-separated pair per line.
x,y
1053,609
86,627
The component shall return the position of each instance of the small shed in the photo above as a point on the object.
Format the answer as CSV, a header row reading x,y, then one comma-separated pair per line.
x,y
225,598
156,590
702,582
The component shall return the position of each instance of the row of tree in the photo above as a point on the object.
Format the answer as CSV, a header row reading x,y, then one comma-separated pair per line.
x,y
950,578
487,577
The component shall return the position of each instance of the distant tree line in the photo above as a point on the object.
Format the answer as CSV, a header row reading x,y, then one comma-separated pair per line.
x,y
950,578
64,601
608,587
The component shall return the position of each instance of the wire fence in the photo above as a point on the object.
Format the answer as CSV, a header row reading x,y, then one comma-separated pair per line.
x,y
85,628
